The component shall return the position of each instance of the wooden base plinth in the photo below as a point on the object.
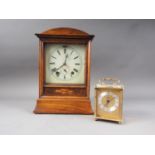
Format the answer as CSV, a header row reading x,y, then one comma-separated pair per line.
x,y
63,106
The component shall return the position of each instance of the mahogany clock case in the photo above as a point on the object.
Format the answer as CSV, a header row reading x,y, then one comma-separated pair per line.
x,y
64,98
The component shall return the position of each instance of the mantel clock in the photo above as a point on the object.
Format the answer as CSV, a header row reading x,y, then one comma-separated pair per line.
x,y
64,71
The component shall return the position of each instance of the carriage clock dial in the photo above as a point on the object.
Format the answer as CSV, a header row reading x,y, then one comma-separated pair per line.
x,y
108,101
65,63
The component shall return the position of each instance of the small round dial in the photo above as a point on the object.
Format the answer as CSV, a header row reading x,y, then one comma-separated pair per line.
x,y
65,63
108,101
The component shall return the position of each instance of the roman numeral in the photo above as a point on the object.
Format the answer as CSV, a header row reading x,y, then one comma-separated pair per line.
x,y
58,52
54,70
76,57
75,70
77,64
71,52
53,57
57,73
52,63
72,73
64,50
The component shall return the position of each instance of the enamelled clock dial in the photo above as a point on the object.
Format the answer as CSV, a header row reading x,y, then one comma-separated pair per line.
x,y
65,63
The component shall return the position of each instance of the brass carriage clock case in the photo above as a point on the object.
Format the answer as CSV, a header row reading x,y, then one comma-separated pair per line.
x,y
64,71
109,100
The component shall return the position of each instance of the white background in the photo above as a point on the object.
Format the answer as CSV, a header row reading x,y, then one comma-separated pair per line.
x,y
77,144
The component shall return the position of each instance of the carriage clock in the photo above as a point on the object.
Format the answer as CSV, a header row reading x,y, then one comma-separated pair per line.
x,y
64,71
108,100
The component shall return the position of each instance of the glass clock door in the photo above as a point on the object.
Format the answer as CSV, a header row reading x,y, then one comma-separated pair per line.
x,y
65,64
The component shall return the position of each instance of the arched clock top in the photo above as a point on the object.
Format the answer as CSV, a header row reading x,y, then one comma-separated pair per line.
x,y
64,32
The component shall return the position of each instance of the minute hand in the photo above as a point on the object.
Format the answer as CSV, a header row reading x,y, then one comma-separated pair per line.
x,y
65,59
107,103
56,69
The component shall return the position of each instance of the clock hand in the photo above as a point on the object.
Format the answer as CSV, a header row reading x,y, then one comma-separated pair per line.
x,y
56,69
64,64
65,70
66,59
108,101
